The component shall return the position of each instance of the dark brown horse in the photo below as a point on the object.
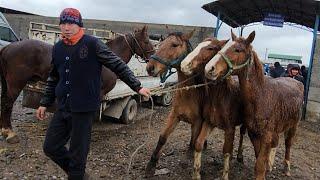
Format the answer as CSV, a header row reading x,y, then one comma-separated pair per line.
x,y
30,60
271,106
221,107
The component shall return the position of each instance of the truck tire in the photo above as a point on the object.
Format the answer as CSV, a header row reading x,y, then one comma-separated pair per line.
x,y
129,112
165,99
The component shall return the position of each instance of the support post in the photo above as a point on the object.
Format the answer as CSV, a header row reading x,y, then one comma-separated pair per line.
x,y
217,26
241,31
316,28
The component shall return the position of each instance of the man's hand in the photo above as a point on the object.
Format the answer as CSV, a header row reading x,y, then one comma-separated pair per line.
x,y
41,113
145,92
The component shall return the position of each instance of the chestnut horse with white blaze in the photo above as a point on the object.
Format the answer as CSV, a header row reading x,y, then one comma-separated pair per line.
x,y
271,106
222,107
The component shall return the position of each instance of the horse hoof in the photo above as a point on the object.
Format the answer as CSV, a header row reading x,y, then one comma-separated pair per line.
x,y
225,176
240,159
288,173
191,147
205,145
287,168
150,169
12,139
196,176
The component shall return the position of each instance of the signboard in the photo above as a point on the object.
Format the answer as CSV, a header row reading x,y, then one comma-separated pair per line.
x,y
272,19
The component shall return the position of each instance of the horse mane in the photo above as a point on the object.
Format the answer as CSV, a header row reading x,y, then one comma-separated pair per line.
x,y
257,66
178,33
209,39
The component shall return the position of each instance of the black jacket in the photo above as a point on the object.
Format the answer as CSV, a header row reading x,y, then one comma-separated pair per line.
x,y
276,71
75,78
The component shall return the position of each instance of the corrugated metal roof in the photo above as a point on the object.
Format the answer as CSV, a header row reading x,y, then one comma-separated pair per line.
x,y
237,13
281,56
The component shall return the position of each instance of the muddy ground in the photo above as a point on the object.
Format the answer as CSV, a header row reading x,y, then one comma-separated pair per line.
x,y
113,144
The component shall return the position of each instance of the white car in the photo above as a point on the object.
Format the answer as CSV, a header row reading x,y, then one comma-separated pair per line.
x,y
7,35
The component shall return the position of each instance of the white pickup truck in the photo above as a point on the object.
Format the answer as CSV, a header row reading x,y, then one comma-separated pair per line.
x,y
121,101
7,35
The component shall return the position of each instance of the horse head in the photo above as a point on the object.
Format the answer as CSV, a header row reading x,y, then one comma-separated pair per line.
x,y
231,59
170,53
140,43
200,56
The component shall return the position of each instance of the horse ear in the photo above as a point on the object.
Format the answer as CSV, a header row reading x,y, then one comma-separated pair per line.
x,y
135,30
250,38
223,42
144,29
187,36
167,29
233,36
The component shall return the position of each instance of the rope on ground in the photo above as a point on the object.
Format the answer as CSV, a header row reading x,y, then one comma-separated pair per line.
x,y
143,144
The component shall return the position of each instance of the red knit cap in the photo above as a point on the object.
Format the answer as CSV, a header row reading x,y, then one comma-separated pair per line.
x,y
71,15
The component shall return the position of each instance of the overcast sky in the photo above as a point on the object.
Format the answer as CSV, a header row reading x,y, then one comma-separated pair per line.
x,y
287,40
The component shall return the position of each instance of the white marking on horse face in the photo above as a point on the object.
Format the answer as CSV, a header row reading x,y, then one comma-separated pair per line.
x,y
216,58
185,64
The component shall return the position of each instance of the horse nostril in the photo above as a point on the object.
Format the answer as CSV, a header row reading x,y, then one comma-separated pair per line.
x,y
151,69
211,71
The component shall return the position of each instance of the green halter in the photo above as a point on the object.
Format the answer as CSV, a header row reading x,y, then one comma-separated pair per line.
x,y
232,67
171,63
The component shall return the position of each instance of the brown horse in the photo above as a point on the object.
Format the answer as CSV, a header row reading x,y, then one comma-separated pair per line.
x,y
175,47
30,60
222,106
271,106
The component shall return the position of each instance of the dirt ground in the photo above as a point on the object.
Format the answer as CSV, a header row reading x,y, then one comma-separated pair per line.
x,y
113,144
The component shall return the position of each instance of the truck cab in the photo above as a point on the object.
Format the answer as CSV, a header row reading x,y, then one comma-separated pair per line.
x,y
7,34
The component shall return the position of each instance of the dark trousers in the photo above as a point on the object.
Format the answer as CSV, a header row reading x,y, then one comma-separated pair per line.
x,y
77,128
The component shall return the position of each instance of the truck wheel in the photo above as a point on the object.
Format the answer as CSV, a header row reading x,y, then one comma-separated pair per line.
x,y
165,99
129,112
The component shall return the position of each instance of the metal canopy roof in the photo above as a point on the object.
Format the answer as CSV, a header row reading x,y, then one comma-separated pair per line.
x,y
237,13
12,11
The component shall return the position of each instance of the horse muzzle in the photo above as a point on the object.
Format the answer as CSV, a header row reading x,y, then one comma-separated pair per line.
x,y
210,73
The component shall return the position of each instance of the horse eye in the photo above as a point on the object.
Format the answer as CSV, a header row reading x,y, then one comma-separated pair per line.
x,y
175,45
211,48
237,50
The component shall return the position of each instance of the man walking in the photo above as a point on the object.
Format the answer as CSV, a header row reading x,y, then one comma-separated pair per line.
x,y
75,80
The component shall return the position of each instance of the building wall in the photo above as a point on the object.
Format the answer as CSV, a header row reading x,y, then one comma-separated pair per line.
x,y
313,106
20,24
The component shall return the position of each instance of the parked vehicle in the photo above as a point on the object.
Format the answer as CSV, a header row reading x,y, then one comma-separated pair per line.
x,y
7,35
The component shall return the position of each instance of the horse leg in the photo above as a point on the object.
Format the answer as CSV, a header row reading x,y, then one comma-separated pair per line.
x,y
205,131
240,148
195,130
8,97
289,138
172,122
227,151
255,140
274,144
264,153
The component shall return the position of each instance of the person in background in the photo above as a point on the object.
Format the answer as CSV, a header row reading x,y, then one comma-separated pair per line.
x,y
277,70
293,71
304,72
